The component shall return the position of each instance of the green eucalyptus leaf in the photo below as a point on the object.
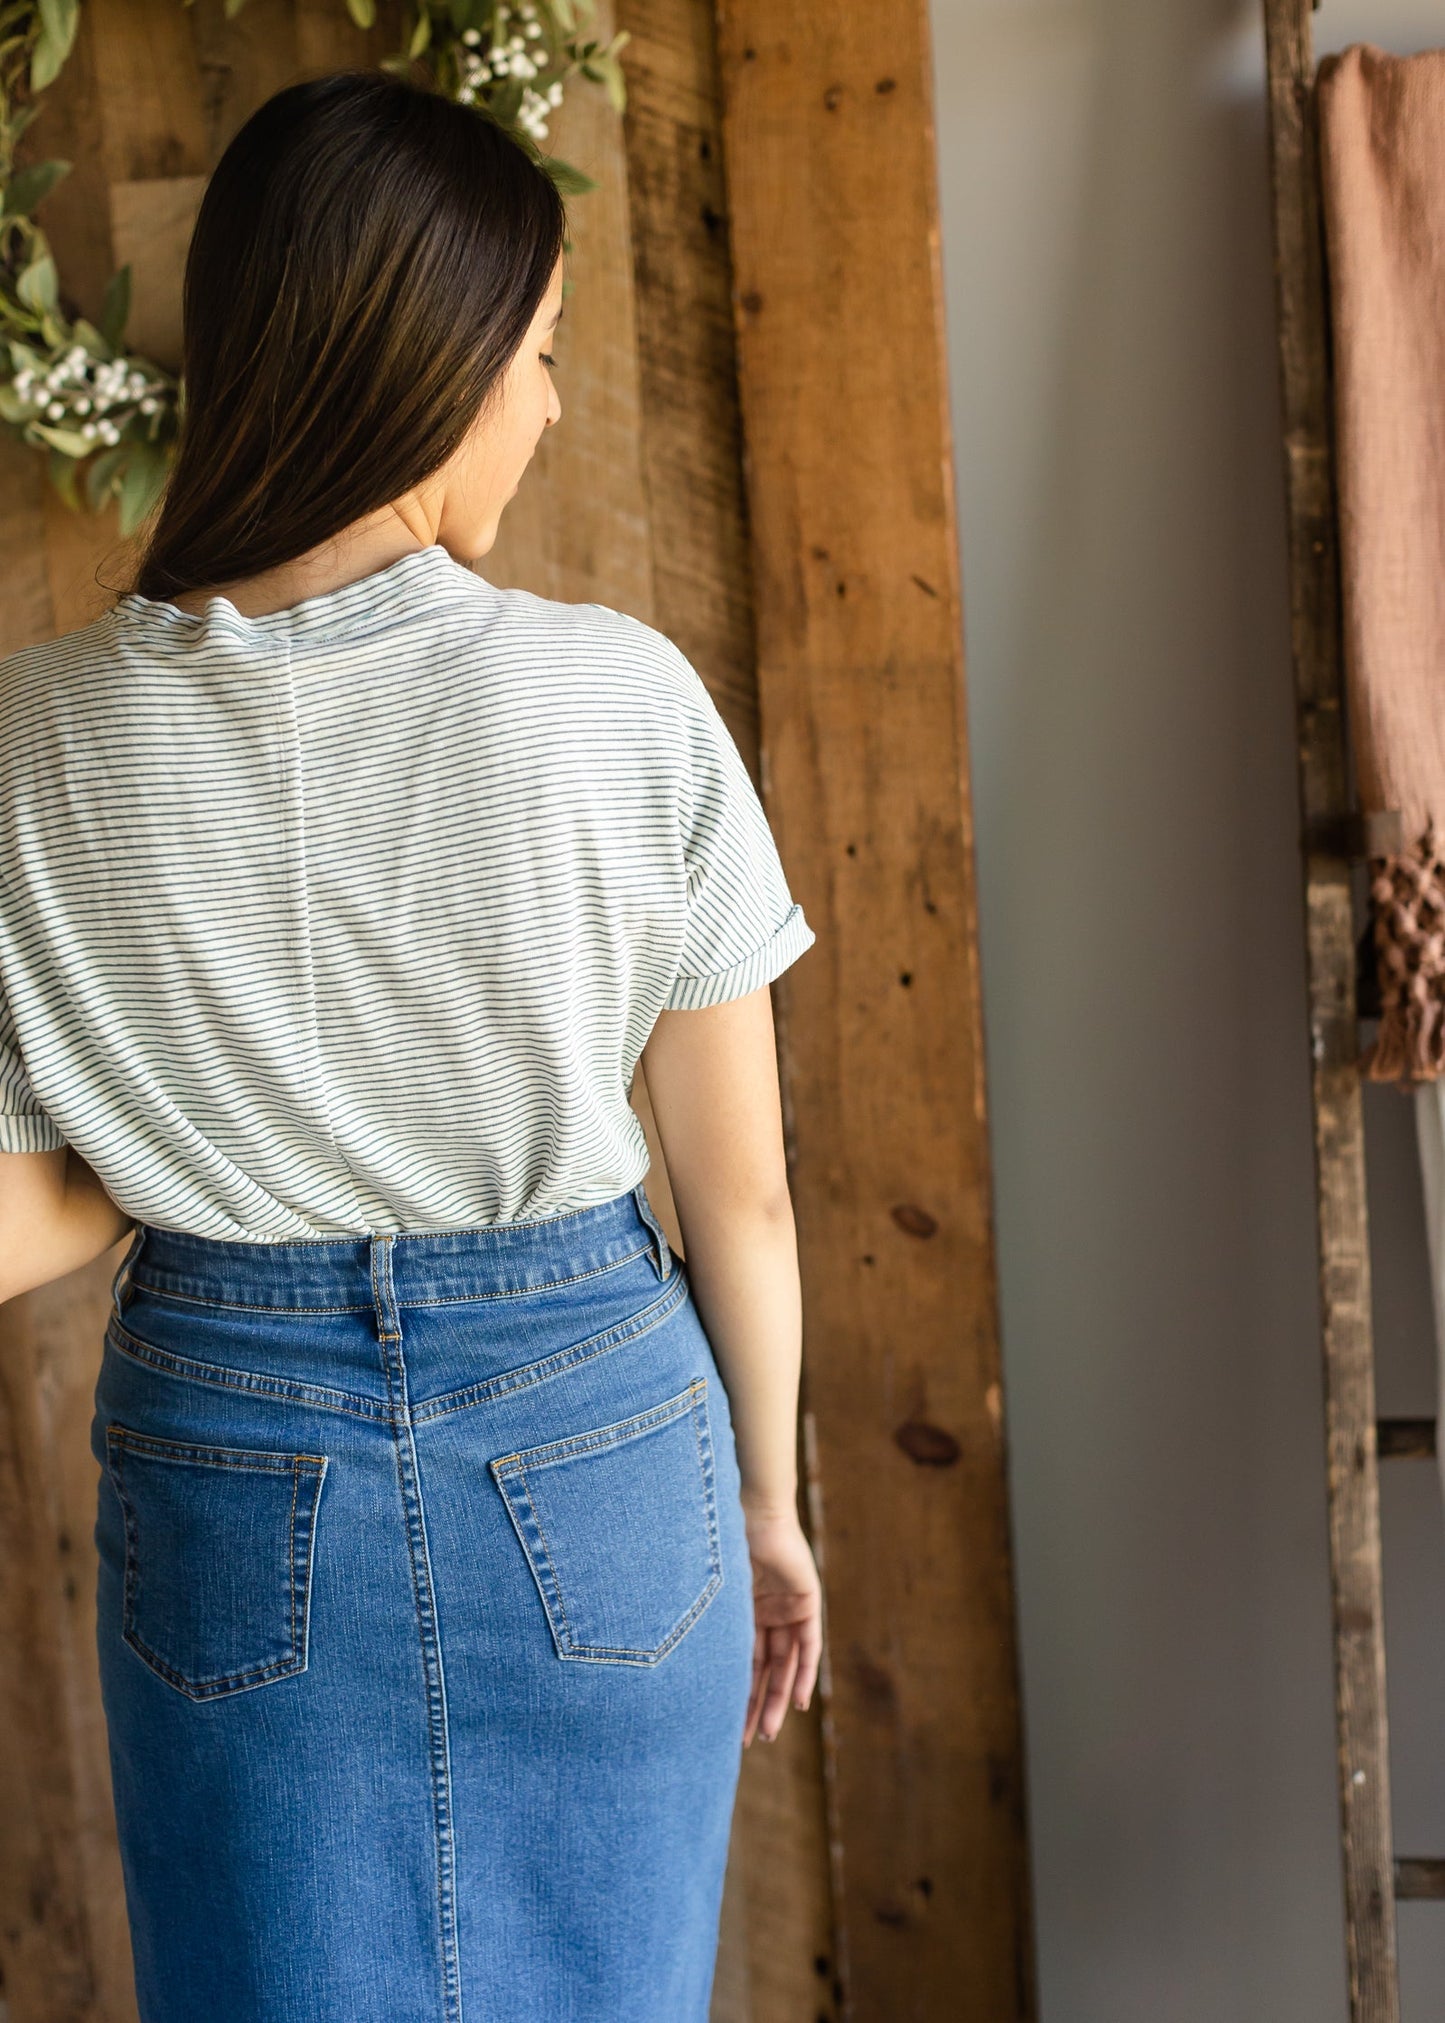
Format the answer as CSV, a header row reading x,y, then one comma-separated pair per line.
x,y
565,15
69,441
421,34
59,19
27,187
100,474
115,307
12,407
570,182
615,83
62,476
362,12
39,285
90,339
140,486
46,62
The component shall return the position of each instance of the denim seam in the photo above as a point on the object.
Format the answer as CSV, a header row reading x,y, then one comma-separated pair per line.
x,y
361,1306
551,1366
428,1632
185,1370
291,1390
252,1460
620,1434
548,1561
383,1296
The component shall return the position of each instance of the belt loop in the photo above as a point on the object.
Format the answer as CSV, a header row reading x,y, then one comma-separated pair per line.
x,y
120,1284
383,1290
662,1250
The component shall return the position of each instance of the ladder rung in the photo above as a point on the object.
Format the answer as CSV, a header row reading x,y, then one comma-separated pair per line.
x,y
1417,1878
1405,1439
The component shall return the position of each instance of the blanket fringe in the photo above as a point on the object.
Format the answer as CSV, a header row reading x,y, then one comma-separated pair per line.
x,y
1407,894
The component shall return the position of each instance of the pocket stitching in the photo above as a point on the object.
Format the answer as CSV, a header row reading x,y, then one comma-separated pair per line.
x,y
238,1459
618,1434
512,1469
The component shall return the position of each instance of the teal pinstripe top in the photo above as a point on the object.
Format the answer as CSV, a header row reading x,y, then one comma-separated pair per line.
x,y
355,917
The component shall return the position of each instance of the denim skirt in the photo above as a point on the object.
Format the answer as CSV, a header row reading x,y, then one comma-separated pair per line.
x,y
424,1617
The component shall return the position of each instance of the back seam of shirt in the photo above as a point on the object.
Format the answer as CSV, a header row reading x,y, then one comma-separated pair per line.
x,y
321,1095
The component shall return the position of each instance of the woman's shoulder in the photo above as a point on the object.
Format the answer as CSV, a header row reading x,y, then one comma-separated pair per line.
x,y
38,670
592,636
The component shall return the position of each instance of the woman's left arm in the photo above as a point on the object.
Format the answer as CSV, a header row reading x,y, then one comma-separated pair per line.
x,y
54,1217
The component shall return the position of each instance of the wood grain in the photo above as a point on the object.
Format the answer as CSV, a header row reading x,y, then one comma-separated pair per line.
x,y
828,149
776,1959
1316,646
636,500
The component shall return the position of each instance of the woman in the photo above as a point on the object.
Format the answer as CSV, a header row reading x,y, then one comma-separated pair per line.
x,y
447,1532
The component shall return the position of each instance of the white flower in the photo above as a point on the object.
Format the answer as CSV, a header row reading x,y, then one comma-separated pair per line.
x,y
554,93
56,410
89,430
149,404
471,36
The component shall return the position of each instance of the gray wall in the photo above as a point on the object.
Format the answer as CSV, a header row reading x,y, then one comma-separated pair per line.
x,y
1115,409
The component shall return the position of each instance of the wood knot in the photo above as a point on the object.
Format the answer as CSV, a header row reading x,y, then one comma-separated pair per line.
x,y
929,1445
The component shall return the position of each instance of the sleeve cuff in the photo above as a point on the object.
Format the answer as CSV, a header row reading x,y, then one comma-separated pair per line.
x,y
30,1132
784,945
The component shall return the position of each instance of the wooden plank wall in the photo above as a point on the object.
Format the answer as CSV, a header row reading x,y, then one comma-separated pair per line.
x,y
828,146
830,635
636,501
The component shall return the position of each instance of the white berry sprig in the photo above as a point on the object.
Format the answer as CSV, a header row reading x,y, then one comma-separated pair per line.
x,y
69,386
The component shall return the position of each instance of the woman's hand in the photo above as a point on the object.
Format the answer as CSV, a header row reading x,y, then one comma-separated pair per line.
x,y
788,1612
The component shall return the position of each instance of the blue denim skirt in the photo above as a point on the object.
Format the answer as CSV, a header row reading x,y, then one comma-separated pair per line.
x,y
425,1628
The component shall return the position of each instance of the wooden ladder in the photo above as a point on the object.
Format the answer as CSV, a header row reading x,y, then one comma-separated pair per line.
x,y
1334,839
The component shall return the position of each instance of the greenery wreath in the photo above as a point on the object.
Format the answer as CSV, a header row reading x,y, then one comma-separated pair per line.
x,y
109,417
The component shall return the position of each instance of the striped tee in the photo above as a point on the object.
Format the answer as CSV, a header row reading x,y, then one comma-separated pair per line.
x,y
354,918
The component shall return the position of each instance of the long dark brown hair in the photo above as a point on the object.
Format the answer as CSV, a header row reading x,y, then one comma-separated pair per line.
x,y
367,257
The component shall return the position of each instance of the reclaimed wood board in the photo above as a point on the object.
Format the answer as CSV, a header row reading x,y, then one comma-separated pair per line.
x,y
832,213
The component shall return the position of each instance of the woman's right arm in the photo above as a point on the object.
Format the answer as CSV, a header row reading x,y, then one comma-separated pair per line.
x,y
712,1082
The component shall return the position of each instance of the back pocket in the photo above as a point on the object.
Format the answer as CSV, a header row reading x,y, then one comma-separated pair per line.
x,y
219,1543
619,1526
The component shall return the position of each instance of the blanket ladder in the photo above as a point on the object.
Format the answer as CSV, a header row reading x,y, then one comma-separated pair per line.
x,y
1334,839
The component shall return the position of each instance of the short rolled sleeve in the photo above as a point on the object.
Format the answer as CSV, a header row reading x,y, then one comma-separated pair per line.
x,y
25,1126
743,925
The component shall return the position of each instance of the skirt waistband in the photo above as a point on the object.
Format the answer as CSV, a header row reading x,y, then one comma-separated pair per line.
x,y
394,1270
